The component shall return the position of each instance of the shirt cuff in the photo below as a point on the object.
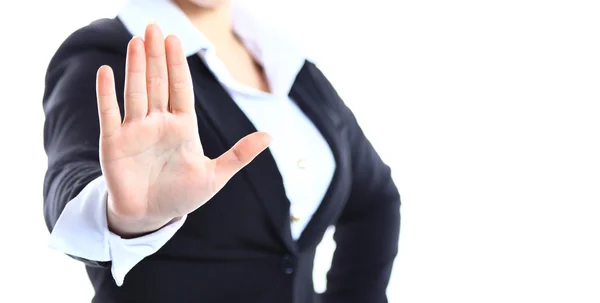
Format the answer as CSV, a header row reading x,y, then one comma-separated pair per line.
x,y
82,231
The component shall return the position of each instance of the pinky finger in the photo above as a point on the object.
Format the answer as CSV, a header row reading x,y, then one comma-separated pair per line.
x,y
108,108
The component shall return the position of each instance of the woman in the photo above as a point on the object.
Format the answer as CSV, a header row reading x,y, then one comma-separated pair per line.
x,y
159,181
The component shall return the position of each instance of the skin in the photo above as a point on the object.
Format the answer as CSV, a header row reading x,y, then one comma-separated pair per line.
x,y
153,162
214,21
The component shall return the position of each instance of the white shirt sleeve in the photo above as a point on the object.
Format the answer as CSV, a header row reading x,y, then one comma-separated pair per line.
x,y
82,231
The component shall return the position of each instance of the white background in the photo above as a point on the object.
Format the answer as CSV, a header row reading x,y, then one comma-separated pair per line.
x,y
487,111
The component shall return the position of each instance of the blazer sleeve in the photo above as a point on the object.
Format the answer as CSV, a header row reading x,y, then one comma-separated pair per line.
x,y
71,129
367,231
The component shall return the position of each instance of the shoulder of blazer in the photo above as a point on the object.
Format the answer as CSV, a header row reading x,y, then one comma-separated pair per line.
x,y
108,35
326,97
105,36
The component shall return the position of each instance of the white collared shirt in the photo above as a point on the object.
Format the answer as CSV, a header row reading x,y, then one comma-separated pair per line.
x,y
302,155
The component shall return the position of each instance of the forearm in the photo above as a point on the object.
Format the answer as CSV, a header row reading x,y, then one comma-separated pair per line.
x,y
62,184
82,232
367,244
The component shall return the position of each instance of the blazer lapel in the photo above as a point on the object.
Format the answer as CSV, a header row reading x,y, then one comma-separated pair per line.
x,y
232,125
312,97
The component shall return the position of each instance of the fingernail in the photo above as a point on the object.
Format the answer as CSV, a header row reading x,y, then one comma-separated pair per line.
x,y
151,21
268,139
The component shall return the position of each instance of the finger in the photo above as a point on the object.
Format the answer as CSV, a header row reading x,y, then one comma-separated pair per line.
x,y
136,99
181,92
108,108
156,69
240,155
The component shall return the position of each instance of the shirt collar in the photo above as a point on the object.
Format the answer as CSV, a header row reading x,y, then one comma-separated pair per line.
x,y
280,57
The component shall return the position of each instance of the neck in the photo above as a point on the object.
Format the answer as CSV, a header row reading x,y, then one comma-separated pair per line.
x,y
215,23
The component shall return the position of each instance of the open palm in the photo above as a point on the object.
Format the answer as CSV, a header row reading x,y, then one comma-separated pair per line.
x,y
153,162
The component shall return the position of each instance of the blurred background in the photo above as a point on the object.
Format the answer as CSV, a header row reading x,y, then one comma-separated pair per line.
x,y
493,107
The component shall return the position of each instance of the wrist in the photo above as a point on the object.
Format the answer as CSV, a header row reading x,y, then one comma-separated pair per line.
x,y
132,226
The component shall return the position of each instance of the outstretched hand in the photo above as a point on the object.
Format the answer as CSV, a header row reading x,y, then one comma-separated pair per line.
x,y
153,162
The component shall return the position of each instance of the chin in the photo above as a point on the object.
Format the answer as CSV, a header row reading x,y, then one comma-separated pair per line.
x,y
209,3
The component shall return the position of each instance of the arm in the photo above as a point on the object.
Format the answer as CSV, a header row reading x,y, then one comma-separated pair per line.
x,y
71,130
152,162
367,231
75,193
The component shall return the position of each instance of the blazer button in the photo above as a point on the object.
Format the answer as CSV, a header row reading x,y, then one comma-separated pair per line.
x,y
288,264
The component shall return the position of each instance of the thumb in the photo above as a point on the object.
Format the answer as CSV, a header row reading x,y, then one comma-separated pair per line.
x,y
240,155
